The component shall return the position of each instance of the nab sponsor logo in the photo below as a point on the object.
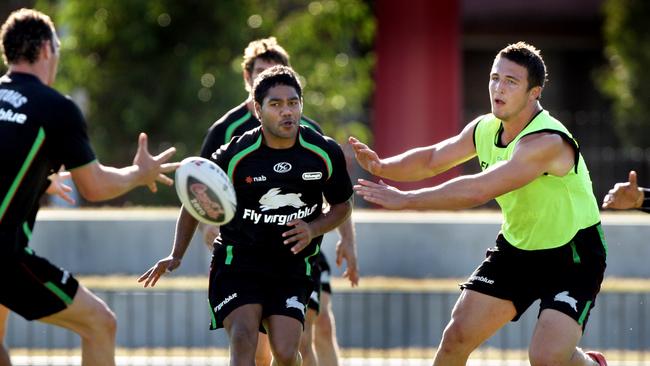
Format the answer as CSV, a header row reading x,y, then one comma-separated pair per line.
x,y
250,179
282,167
312,176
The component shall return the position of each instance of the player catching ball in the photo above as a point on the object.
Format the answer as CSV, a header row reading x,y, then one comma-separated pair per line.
x,y
260,277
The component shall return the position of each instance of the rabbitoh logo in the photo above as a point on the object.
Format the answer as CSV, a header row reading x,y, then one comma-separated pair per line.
x,y
293,302
272,200
564,297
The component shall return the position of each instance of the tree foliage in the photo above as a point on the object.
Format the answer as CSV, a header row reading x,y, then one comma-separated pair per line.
x,y
627,81
171,68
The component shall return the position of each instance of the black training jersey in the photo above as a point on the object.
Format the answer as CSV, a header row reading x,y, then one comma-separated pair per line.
x,y
40,130
274,187
234,123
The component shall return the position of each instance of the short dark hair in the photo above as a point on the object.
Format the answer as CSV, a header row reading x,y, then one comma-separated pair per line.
x,y
267,49
23,34
528,56
276,75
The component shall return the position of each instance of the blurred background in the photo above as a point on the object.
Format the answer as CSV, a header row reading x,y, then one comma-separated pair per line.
x,y
395,74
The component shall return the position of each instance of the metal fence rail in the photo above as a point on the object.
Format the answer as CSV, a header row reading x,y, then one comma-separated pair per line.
x,y
171,327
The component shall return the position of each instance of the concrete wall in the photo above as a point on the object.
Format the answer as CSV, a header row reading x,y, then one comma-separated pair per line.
x,y
413,245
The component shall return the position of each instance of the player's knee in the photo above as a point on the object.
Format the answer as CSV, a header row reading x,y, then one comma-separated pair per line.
x,y
285,355
324,325
456,338
100,324
106,320
243,339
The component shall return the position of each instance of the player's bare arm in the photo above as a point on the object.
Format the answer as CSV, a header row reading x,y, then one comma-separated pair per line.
x,y
421,162
533,156
302,233
97,182
185,228
346,249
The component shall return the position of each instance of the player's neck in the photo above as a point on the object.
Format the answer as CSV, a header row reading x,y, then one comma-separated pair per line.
x,y
250,105
514,125
36,69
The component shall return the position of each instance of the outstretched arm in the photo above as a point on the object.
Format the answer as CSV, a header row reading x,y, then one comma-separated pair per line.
x,y
97,182
418,163
346,249
185,228
625,195
534,155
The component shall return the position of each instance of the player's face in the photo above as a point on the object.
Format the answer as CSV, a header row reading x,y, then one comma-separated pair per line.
x,y
259,65
509,94
280,114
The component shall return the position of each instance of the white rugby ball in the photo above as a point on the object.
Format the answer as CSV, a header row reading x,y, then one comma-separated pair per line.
x,y
205,191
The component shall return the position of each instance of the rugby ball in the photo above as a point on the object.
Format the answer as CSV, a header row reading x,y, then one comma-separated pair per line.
x,y
205,191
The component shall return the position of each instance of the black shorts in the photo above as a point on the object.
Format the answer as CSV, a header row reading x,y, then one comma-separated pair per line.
x,y
33,287
321,277
278,295
566,279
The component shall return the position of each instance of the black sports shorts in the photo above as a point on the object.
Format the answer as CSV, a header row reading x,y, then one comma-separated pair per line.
x,y
566,279
278,295
33,287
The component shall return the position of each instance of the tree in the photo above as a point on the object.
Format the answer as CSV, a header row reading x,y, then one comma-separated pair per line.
x,y
627,35
171,68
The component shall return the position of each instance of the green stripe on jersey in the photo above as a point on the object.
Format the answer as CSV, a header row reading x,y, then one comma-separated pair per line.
x,y
304,122
240,155
307,265
40,137
58,292
213,319
318,151
228,254
27,231
233,126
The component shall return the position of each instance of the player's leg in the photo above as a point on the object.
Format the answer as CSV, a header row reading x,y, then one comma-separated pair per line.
x,y
242,325
95,323
571,294
4,354
284,336
474,319
327,348
555,341
307,342
263,355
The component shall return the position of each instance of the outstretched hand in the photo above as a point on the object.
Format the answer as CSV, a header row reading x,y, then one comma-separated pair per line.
x,y
58,188
153,274
624,195
381,194
367,158
347,250
152,168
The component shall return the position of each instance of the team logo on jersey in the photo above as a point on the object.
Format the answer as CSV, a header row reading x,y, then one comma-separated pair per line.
x,y
312,176
564,297
293,302
273,199
282,167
